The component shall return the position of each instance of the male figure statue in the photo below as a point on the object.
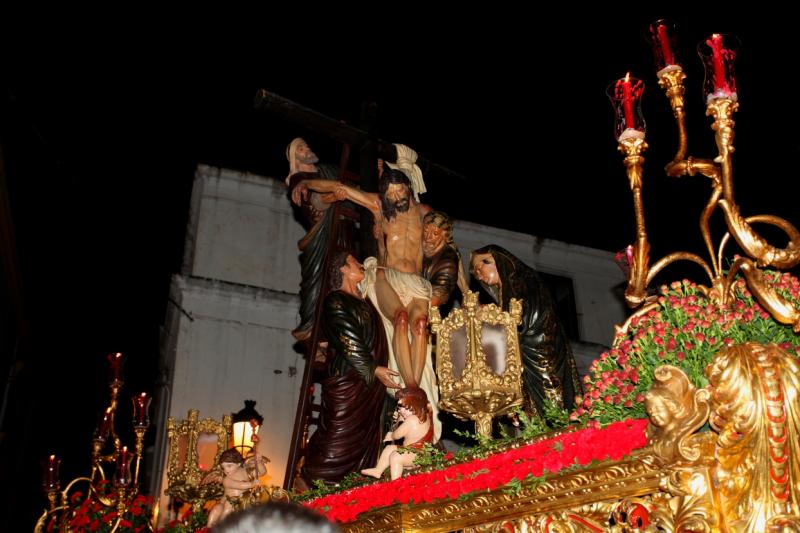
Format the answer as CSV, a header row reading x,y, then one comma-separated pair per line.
x,y
318,219
403,296
353,394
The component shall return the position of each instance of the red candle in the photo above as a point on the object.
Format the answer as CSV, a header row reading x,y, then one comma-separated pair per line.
x,y
123,474
115,361
627,101
51,481
106,424
141,404
721,87
666,51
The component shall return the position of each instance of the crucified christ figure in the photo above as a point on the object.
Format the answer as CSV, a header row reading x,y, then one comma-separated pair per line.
x,y
403,296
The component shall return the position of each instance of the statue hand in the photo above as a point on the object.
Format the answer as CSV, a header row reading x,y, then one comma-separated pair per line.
x,y
385,375
340,193
300,193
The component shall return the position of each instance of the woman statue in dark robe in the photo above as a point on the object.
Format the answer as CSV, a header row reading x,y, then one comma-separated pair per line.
x,y
549,372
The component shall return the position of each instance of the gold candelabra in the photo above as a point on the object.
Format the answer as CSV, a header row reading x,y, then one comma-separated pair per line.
x,y
107,448
718,53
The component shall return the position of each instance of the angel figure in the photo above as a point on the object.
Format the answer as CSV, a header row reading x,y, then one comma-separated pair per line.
x,y
416,429
239,478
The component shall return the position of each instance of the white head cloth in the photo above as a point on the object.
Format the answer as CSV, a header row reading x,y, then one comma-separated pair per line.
x,y
406,163
291,155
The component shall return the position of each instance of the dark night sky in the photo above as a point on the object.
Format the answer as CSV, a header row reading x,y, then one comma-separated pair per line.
x,y
102,130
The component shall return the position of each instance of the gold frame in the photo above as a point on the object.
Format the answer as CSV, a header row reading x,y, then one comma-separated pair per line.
x,y
185,480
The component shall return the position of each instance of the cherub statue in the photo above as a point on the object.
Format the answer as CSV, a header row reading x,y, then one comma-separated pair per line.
x,y
676,409
416,429
239,478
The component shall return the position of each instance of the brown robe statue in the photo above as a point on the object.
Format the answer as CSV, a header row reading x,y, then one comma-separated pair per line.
x,y
351,421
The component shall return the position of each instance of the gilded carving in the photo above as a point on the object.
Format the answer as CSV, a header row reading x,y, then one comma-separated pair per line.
x,y
755,410
676,410
183,469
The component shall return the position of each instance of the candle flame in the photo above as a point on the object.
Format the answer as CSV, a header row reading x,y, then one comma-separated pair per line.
x,y
628,76
52,457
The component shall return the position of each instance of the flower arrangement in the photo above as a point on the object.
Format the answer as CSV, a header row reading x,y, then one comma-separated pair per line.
x,y
509,469
89,514
685,329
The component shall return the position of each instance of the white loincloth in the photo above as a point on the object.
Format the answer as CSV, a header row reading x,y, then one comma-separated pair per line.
x,y
412,286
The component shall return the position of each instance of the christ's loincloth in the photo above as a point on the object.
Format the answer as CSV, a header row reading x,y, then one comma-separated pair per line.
x,y
408,286
412,284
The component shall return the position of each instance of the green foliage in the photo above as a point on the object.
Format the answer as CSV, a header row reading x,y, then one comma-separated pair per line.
x,y
320,488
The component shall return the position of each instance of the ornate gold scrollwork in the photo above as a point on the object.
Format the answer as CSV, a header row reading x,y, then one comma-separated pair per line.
x,y
676,410
754,401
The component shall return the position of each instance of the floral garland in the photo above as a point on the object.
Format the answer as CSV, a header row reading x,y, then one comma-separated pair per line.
x,y
686,329
509,468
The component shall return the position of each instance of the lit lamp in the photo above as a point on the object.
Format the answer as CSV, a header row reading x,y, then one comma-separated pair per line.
x,y
243,429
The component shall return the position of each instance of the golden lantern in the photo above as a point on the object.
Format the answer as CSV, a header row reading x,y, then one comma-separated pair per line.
x,y
478,360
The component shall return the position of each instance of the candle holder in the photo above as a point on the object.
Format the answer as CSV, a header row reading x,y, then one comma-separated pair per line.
x,y
122,494
662,35
51,483
626,96
718,53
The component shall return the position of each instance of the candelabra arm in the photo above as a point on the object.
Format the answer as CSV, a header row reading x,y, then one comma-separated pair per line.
x,y
756,246
671,80
140,431
711,205
677,256
636,292
121,508
722,109
782,310
41,523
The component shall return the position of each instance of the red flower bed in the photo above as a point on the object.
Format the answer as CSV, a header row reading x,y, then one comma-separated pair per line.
x,y
547,456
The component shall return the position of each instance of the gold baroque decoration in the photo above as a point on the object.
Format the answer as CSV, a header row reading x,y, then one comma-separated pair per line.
x,y
743,476
183,470
478,393
720,172
639,475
